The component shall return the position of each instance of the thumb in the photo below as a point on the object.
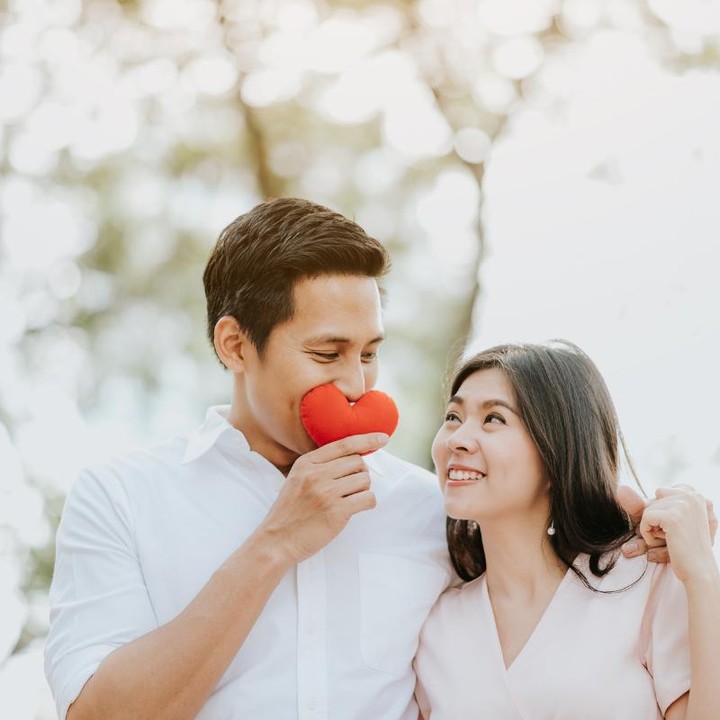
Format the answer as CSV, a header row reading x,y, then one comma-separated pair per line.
x,y
674,490
632,503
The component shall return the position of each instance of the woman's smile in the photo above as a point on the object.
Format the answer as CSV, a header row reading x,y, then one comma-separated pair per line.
x,y
458,475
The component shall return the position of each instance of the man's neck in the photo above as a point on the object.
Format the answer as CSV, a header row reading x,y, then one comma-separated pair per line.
x,y
281,457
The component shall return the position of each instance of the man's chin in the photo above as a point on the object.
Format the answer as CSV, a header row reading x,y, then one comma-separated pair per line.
x,y
305,444
285,455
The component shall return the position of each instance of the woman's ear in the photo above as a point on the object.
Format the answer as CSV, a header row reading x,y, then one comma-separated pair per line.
x,y
231,343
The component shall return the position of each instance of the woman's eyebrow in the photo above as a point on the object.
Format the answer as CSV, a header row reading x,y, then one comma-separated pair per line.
x,y
458,400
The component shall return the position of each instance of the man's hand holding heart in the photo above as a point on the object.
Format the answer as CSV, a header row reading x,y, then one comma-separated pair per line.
x,y
329,485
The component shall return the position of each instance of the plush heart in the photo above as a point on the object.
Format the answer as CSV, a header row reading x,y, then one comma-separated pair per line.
x,y
328,416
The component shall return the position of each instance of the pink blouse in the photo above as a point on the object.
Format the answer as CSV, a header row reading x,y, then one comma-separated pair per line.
x,y
592,656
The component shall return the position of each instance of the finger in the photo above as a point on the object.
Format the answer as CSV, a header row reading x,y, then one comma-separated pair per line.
x,y
671,491
639,546
650,525
632,503
358,502
658,555
341,467
712,520
656,539
359,482
351,445
682,486
682,489
634,547
652,535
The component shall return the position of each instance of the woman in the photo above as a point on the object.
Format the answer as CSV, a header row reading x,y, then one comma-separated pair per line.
x,y
553,622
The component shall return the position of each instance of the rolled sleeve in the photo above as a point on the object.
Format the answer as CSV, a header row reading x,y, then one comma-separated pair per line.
x,y
98,598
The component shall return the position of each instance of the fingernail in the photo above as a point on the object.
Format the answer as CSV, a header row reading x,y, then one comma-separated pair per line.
x,y
630,547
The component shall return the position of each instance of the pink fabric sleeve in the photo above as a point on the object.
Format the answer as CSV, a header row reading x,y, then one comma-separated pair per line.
x,y
422,700
664,639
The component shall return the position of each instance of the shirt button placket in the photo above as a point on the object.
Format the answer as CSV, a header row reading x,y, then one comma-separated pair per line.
x,y
312,621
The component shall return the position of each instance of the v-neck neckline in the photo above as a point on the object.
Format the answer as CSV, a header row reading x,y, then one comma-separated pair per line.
x,y
536,631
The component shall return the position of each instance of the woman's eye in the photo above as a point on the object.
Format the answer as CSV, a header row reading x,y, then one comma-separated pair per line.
x,y
326,356
452,417
369,357
495,418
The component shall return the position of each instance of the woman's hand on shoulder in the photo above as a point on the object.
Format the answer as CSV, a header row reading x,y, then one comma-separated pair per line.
x,y
686,521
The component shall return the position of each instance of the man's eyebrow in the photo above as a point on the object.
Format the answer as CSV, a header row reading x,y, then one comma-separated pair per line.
x,y
458,400
337,340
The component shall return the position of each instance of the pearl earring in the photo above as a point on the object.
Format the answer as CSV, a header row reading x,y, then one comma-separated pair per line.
x,y
551,529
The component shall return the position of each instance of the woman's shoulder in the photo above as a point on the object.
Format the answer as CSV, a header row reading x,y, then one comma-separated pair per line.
x,y
453,612
630,581
624,573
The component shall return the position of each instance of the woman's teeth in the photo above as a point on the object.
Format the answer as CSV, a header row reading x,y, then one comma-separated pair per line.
x,y
464,475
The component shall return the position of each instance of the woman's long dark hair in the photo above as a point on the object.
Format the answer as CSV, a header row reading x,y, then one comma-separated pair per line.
x,y
566,407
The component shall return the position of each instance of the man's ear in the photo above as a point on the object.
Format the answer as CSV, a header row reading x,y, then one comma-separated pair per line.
x,y
231,344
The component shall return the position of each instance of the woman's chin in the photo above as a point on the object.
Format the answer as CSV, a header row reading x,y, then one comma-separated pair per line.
x,y
457,511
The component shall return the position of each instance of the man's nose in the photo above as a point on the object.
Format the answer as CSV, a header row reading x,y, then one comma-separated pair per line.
x,y
352,383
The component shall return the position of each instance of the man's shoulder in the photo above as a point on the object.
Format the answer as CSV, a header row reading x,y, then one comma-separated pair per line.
x,y
134,468
387,463
394,468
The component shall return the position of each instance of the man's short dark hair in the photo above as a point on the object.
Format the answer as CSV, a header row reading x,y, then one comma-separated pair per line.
x,y
260,257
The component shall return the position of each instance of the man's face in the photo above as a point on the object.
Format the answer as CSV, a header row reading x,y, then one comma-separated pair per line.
x,y
333,337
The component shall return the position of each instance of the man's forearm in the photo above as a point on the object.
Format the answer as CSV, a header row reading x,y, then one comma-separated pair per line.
x,y
170,672
704,616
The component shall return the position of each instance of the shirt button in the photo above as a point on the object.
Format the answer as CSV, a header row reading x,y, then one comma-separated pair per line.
x,y
311,628
312,705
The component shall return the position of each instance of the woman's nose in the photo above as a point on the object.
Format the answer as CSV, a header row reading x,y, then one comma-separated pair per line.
x,y
463,440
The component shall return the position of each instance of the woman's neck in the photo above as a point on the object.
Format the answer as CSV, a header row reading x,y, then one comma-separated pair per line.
x,y
520,560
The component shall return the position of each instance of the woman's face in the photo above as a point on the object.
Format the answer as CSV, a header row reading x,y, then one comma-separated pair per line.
x,y
486,461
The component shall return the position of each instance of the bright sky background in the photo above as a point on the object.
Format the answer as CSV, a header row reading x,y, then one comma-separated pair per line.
x,y
602,222
604,228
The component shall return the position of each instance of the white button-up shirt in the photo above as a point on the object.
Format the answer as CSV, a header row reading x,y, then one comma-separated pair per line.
x,y
142,535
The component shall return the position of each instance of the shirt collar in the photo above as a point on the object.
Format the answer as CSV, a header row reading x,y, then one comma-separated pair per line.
x,y
374,462
216,424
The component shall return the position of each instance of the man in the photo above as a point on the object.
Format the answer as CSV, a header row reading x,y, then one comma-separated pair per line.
x,y
243,572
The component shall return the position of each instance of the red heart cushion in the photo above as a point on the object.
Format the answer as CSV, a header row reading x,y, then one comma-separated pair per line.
x,y
328,416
